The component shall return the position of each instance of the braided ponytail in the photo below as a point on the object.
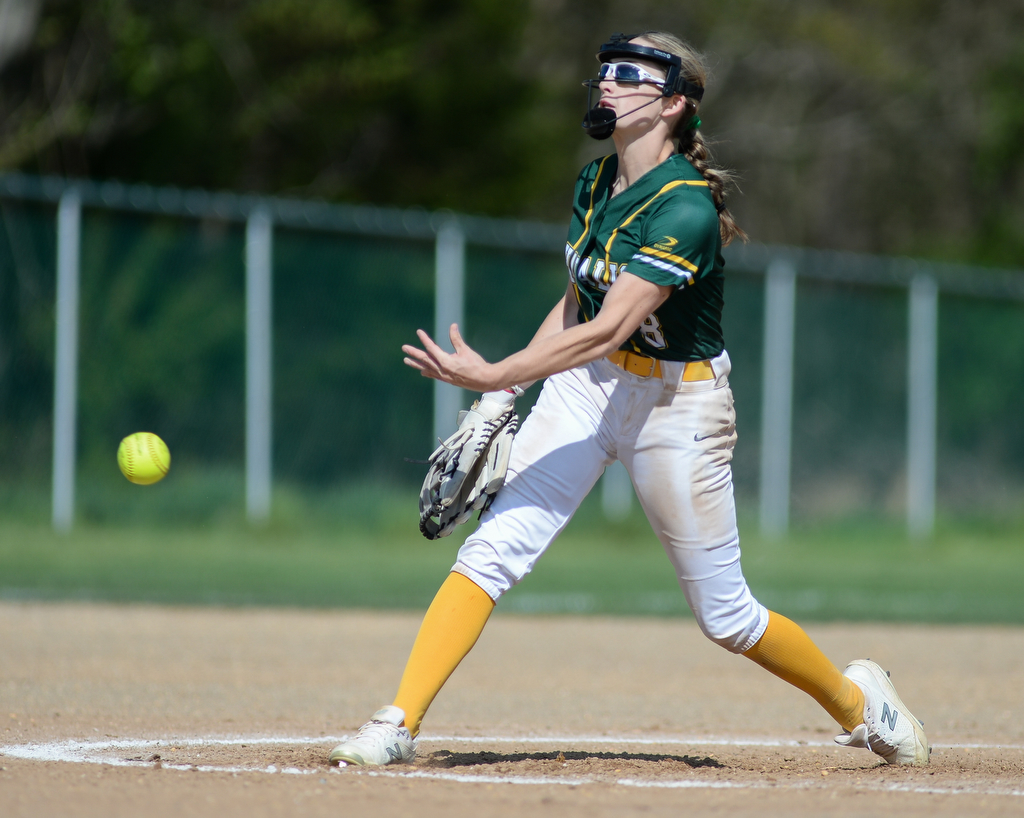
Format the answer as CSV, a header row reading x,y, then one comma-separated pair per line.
x,y
690,142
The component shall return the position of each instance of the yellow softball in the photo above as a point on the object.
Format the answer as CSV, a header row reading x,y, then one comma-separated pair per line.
x,y
144,458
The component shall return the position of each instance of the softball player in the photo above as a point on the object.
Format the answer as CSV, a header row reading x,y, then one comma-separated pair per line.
x,y
636,370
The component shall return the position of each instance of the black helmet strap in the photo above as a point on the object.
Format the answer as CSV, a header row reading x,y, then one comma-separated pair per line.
x,y
619,47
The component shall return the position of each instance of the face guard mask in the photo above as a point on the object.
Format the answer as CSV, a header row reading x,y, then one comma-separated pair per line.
x,y
599,123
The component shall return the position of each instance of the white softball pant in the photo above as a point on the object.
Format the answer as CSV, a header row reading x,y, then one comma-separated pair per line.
x,y
675,438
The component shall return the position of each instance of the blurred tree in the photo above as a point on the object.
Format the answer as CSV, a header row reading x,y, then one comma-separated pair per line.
x,y
861,125
407,102
855,124
18,20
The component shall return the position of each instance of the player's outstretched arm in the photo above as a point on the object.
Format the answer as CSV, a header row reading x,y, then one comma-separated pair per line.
x,y
561,316
465,368
628,302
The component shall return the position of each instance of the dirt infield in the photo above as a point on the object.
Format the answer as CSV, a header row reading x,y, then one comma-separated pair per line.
x,y
123,710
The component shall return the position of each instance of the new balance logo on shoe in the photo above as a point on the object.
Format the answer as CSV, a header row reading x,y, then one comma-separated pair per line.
x,y
382,740
889,729
889,716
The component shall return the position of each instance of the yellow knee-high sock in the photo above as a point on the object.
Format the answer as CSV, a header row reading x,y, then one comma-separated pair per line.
x,y
789,653
451,626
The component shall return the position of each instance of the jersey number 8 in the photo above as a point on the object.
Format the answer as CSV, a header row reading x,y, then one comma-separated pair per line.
x,y
650,329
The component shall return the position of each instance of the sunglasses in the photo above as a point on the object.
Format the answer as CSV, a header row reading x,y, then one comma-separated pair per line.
x,y
628,72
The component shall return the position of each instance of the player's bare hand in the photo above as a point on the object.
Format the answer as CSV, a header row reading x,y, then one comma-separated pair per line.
x,y
464,367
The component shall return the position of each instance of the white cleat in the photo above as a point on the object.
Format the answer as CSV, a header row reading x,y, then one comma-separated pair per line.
x,y
382,740
889,729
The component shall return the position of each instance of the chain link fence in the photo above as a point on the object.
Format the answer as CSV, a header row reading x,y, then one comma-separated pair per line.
x,y
162,346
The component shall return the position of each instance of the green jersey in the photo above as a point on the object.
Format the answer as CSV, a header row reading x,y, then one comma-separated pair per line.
x,y
662,228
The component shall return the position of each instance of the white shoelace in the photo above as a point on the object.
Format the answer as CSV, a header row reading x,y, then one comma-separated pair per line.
x,y
375,729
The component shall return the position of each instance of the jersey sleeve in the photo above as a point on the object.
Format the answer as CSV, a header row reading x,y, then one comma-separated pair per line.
x,y
678,242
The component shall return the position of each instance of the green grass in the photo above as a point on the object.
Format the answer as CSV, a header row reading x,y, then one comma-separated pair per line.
x,y
362,549
846,570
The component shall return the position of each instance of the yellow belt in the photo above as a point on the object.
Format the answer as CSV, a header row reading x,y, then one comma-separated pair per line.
x,y
651,367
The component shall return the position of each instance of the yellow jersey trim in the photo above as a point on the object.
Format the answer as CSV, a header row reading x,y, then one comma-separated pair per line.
x,y
670,186
682,262
590,210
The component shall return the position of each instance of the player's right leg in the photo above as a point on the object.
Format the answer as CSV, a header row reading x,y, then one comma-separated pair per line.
x,y
450,628
384,739
558,455
556,459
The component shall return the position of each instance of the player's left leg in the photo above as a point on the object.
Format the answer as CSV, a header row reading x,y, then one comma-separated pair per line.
x,y
862,700
788,652
680,462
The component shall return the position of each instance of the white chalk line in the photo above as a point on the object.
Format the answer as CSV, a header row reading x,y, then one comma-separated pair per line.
x,y
692,784
93,752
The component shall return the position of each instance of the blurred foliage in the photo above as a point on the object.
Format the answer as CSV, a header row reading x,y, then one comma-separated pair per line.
x,y
404,102
874,126
868,125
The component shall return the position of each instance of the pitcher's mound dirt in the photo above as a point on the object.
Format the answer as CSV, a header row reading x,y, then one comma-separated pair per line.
x,y
128,710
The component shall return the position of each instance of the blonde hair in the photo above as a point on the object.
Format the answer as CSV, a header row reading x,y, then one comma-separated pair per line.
x,y
689,140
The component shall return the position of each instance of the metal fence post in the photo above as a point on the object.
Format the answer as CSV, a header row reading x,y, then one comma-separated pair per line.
x,y
922,397
616,492
258,364
449,300
777,396
65,392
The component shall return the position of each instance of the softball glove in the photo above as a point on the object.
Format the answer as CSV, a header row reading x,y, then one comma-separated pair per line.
x,y
467,470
